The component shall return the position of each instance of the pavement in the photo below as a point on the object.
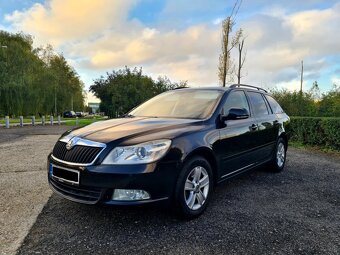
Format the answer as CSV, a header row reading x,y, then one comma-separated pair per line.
x,y
23,187
296,211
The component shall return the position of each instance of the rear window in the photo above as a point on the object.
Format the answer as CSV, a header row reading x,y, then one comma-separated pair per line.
x,y
258,103
276,108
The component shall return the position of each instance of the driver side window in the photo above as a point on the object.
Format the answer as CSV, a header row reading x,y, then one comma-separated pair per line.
x,y
236,99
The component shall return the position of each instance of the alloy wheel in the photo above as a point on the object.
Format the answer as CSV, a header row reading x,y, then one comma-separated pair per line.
x,y
280,154
196,188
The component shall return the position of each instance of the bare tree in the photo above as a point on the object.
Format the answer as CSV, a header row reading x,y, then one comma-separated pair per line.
x,y
241,58
225,63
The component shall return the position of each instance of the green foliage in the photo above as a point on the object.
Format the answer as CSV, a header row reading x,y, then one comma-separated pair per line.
x,y
122,90
330,103
310,103
83,121
31,78
316,131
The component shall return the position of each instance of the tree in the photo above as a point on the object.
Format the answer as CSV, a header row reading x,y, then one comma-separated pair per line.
x,y
241,57
29,77
225,63
122,90
330,103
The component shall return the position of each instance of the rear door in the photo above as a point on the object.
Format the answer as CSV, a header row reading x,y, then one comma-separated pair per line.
x,y
267,126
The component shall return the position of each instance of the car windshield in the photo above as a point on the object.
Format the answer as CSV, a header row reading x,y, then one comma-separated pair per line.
x,y
188,104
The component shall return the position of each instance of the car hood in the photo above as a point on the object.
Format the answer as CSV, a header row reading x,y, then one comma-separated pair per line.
x,y
135,128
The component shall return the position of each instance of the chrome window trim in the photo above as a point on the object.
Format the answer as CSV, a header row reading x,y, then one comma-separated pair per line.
x,y
65,180
82,142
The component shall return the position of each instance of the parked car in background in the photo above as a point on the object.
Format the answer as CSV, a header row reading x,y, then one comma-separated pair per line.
x,y
175,147
80,114
69,114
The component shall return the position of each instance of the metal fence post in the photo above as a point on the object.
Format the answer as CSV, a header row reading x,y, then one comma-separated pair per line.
x,y
43,120
77,121
33,120
7,121
59,120
21,118
51,120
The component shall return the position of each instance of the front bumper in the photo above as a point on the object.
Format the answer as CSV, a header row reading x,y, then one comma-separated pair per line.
x,y
97,182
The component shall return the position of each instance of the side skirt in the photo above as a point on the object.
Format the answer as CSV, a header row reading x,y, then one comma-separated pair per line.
x,y
242,170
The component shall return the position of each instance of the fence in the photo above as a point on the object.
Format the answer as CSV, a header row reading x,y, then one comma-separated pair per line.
x,y
11,123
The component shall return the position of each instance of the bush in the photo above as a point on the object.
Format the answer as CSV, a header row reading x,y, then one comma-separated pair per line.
x,y
316,131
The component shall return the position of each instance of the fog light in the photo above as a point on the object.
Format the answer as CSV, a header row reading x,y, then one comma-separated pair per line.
x,y
130,194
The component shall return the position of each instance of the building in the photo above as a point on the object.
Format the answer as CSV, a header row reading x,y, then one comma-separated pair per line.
x,y
92,102
94,106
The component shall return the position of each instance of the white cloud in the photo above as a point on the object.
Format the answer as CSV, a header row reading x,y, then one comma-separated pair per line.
x,y
336,80
97,35
277,44
60,20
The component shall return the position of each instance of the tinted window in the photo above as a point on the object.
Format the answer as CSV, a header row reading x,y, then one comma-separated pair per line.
x,y
258,104
236,99
276,108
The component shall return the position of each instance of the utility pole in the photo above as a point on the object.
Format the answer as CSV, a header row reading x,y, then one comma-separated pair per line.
x,y
301,77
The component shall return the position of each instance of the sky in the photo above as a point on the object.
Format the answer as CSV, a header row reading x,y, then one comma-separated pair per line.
x,y
182,39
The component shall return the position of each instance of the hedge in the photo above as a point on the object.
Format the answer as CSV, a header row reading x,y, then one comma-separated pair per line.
x,y
316,131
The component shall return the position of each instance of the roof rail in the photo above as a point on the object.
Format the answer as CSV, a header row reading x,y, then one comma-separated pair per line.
x,y
249,86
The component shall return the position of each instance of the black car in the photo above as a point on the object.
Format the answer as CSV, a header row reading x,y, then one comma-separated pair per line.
x,y
69,114
175,147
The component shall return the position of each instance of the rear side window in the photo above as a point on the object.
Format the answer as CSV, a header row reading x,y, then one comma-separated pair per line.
x,y
236,99
258,103
276,108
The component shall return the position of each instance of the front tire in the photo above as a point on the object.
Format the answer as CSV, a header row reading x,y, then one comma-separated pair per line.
x,y
193,188
279,157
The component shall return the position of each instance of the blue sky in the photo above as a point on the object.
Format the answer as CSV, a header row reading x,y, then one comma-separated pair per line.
x,y
181,39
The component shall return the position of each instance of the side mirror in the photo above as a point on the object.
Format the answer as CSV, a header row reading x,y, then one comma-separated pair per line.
x,y
235,114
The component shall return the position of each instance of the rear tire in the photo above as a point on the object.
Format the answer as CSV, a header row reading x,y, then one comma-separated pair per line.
x,y
279,158
194,187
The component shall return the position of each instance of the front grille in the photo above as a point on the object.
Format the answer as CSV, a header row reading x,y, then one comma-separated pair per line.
x,y
78,154
85,195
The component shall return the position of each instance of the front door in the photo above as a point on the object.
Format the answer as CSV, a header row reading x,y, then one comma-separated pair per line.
x,y
236,138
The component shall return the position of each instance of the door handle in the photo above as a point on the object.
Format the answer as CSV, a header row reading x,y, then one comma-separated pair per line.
x,y
254,127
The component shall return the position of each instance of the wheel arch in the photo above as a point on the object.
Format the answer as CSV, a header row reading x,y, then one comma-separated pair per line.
x,y
284,136
208,154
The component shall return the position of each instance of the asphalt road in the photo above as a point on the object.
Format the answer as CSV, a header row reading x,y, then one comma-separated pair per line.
x,y
293,212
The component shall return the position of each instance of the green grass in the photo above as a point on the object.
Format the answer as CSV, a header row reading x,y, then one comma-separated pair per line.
x,y
68,121
82,121
299,145
307,117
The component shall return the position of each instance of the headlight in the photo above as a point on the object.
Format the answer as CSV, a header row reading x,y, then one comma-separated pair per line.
x,y
138,154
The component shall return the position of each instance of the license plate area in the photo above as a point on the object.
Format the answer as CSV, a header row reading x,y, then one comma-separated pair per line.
x,y
65,175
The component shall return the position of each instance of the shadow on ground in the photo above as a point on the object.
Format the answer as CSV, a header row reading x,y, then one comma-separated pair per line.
x,y
293,212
